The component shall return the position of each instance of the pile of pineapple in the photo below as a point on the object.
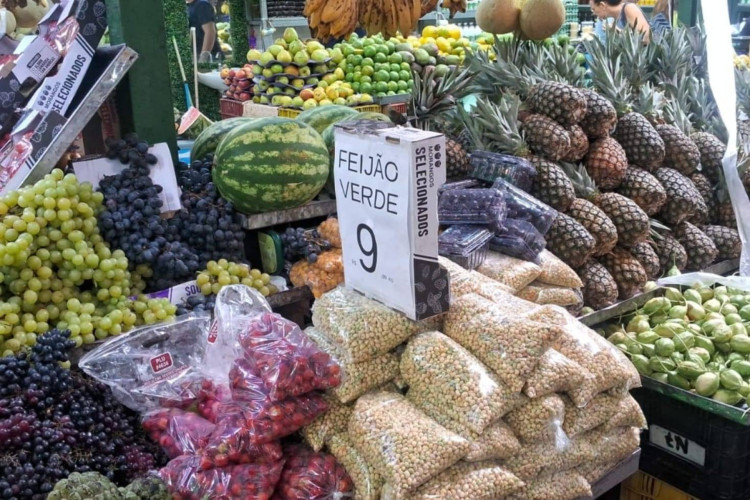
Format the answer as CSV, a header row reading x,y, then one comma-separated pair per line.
x,y
629,153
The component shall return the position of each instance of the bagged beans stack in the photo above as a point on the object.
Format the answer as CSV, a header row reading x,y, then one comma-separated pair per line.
x,y
542,293
611,445
599,410
360,327
441,373
368,484
512,272
538,420
548,457
326,426
556,272
401,443
477,481
555,373
628,414
560,486
356,378
510,346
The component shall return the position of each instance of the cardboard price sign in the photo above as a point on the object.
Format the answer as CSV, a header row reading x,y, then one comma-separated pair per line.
x,y
387,181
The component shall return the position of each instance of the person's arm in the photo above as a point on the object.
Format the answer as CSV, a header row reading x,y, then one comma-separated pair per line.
x,y
637,20
209,36
207,20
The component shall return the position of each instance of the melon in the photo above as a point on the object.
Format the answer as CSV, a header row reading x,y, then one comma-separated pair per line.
x,y
499,16
541,19
321,117
208,140
270,164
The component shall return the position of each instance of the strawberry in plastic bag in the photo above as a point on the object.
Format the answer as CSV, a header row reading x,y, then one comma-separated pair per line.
x,y
312,476
186,481
178,432
289,363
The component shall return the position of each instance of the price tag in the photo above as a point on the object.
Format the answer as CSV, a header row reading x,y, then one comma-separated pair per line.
x,y
386,198
677,445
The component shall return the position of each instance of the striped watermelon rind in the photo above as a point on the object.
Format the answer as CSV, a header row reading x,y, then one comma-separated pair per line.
x,y
322,117
271,164
208,140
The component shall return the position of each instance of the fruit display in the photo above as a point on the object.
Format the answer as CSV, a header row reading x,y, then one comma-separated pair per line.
x,y
261,165
240,82
222,32
51,421
693,338
339,19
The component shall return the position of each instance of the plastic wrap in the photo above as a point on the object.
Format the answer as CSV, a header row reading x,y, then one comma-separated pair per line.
x,y
555,373
475,481
489,166
329,230
510,346
521,205
538,420
497,442
628,414
514,273
401,443
312,476
332,422
556,272
541,293
178,432
316,277
470,206
367,483
568,485
599,410
362,328
154,366
520,239
443,374
186,481
288,362
356,378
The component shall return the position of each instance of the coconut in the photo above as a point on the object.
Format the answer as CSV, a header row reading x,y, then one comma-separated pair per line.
x,y
541,19
498,16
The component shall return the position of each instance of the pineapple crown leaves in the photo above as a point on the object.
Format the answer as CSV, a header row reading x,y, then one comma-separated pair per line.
x,y
650,102
433,97
584,185
671,56
657,230
494,126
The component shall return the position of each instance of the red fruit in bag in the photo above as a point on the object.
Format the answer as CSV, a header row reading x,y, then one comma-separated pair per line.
x,y
177,431
312,476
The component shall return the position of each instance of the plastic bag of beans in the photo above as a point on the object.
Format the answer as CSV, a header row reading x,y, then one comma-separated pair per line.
x,y
477,481
362,328
401,443
551,456
187,481
599,410
612,445
178,432
538,420
332,422
308,475
567,485
512,272
556,272
368,484
497,442
440,372
315,276
509,346
594,471
542,293
329,230
356,378
628,414
555,373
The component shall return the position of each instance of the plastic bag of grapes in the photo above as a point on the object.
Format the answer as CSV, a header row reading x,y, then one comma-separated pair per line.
x,y
154,366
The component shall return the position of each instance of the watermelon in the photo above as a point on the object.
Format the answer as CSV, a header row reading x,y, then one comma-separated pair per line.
x,y
208,140
321,117
328,139
270,164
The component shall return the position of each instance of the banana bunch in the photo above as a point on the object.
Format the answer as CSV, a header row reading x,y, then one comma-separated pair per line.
x,y
454,6
332,18
389,17
428,6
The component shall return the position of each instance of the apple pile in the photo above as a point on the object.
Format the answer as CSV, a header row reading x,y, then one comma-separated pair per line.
x,y
240,81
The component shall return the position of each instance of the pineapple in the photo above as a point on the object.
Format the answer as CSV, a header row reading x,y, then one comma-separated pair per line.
x,y
627,272
606,163
631,221
644,189
570,241
559,101
727,241
546,137
682,196
646,255
599,287
551,185
704,187
596,223
712,153
670,251
681,153
579,144
642,143
724,215
456,159
600,117
700,249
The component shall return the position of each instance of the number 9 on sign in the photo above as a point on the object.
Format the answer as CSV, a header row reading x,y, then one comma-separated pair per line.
x,y
368,246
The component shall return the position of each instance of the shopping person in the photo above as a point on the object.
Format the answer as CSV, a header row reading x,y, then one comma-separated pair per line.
x,y
661,17
202,17
624,13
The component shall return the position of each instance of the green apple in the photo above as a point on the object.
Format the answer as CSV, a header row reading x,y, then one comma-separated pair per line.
x,y
298,102
304,71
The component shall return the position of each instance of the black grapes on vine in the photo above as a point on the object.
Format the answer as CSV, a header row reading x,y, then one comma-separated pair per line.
x,y
299,243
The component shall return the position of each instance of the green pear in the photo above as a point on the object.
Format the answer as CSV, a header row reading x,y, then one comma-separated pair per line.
x,y
254,54
275,49
281,43
337,56
301,58
267,57
290,35
284,56
296,46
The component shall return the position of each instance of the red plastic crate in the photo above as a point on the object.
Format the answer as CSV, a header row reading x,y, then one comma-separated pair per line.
x,y
229,108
